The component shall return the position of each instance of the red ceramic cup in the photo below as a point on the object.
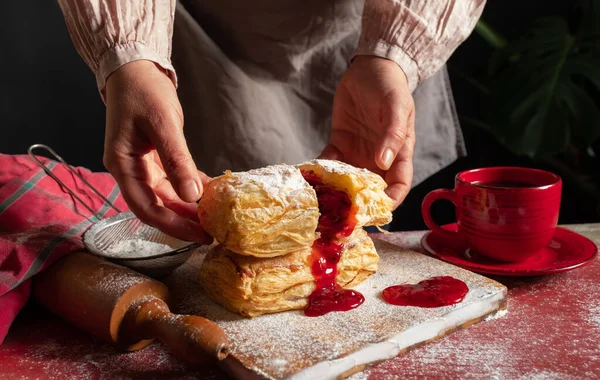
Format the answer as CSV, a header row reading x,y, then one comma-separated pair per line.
x,y
504,213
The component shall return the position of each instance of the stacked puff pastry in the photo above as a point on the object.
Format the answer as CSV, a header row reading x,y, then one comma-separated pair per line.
x,y
265,222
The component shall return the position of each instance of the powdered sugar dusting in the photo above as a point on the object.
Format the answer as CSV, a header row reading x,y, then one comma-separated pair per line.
x,y
496,315
137,248
595,315
283,344
112,282
549,332
77,356
338,167
273,179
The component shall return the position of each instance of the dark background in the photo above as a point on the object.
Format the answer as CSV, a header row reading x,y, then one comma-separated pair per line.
x,y
48,95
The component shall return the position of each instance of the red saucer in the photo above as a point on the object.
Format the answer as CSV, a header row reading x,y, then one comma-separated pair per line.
x,y
567,250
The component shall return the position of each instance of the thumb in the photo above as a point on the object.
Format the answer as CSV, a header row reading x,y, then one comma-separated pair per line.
x,y
175,156
330,152
394,117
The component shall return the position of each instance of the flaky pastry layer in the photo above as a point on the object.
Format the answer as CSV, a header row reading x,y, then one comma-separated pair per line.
x,y
365,188
265,212
252,286
273,211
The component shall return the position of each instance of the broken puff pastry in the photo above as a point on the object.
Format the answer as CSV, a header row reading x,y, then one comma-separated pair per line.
x,y
253,286
264,212
274,210
365,188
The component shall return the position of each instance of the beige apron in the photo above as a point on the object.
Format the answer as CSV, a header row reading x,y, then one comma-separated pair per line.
x,y
257,80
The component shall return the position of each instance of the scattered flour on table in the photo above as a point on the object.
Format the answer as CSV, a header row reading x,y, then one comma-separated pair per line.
x,y
296,342
496,315
94,360
112,282
515,347
137,248
594,315
543,336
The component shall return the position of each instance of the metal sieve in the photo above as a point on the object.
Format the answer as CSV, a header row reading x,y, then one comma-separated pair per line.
x,y
107,232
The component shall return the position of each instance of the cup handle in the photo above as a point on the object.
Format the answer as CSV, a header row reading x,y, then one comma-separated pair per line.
x,y
426,212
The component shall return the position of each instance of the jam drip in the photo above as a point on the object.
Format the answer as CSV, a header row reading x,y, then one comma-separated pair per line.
x,y
434,292
337,221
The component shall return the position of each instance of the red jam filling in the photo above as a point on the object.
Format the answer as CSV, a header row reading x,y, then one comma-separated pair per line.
x,y
337,220
433,292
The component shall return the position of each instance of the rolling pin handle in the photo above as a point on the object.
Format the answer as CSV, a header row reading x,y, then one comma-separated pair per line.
x,y
193,338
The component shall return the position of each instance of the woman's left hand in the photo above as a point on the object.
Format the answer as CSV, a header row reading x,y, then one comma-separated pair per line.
x,y
373,123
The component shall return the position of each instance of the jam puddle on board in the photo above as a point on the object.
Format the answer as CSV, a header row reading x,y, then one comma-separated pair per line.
x,y
434,292
336,222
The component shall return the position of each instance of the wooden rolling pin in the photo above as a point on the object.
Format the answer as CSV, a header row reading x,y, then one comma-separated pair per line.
x,y
125,308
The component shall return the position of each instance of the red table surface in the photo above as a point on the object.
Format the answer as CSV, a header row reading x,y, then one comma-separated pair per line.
x,y
551,330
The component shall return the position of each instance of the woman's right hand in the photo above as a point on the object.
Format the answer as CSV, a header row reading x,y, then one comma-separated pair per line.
x,y
145,150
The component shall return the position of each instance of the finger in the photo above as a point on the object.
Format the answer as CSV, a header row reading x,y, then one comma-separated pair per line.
x,y
156,160
399,176
204,178
330,152
171,200
172,195
169,141
345,146
394,115
142,201
399,179
131,173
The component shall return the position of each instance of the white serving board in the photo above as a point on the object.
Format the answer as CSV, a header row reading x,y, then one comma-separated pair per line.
x,y
290,345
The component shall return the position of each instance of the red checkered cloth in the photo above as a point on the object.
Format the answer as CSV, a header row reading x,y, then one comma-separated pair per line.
x,y
40,222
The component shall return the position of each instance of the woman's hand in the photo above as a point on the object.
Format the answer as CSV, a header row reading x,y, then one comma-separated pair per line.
x,y
145,150
373,123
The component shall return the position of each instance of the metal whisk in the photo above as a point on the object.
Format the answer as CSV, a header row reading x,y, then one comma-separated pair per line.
x,y
106,233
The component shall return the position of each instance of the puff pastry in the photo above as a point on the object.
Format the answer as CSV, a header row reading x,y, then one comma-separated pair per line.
x,y
365,188
253,286
274,211
264,212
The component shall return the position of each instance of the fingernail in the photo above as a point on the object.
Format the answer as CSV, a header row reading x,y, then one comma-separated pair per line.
x,y
387,158
189,191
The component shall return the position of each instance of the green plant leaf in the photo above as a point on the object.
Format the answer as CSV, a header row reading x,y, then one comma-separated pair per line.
x,y
546,86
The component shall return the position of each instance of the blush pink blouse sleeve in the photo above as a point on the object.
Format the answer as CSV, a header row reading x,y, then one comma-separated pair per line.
x,y
419,35
110,33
